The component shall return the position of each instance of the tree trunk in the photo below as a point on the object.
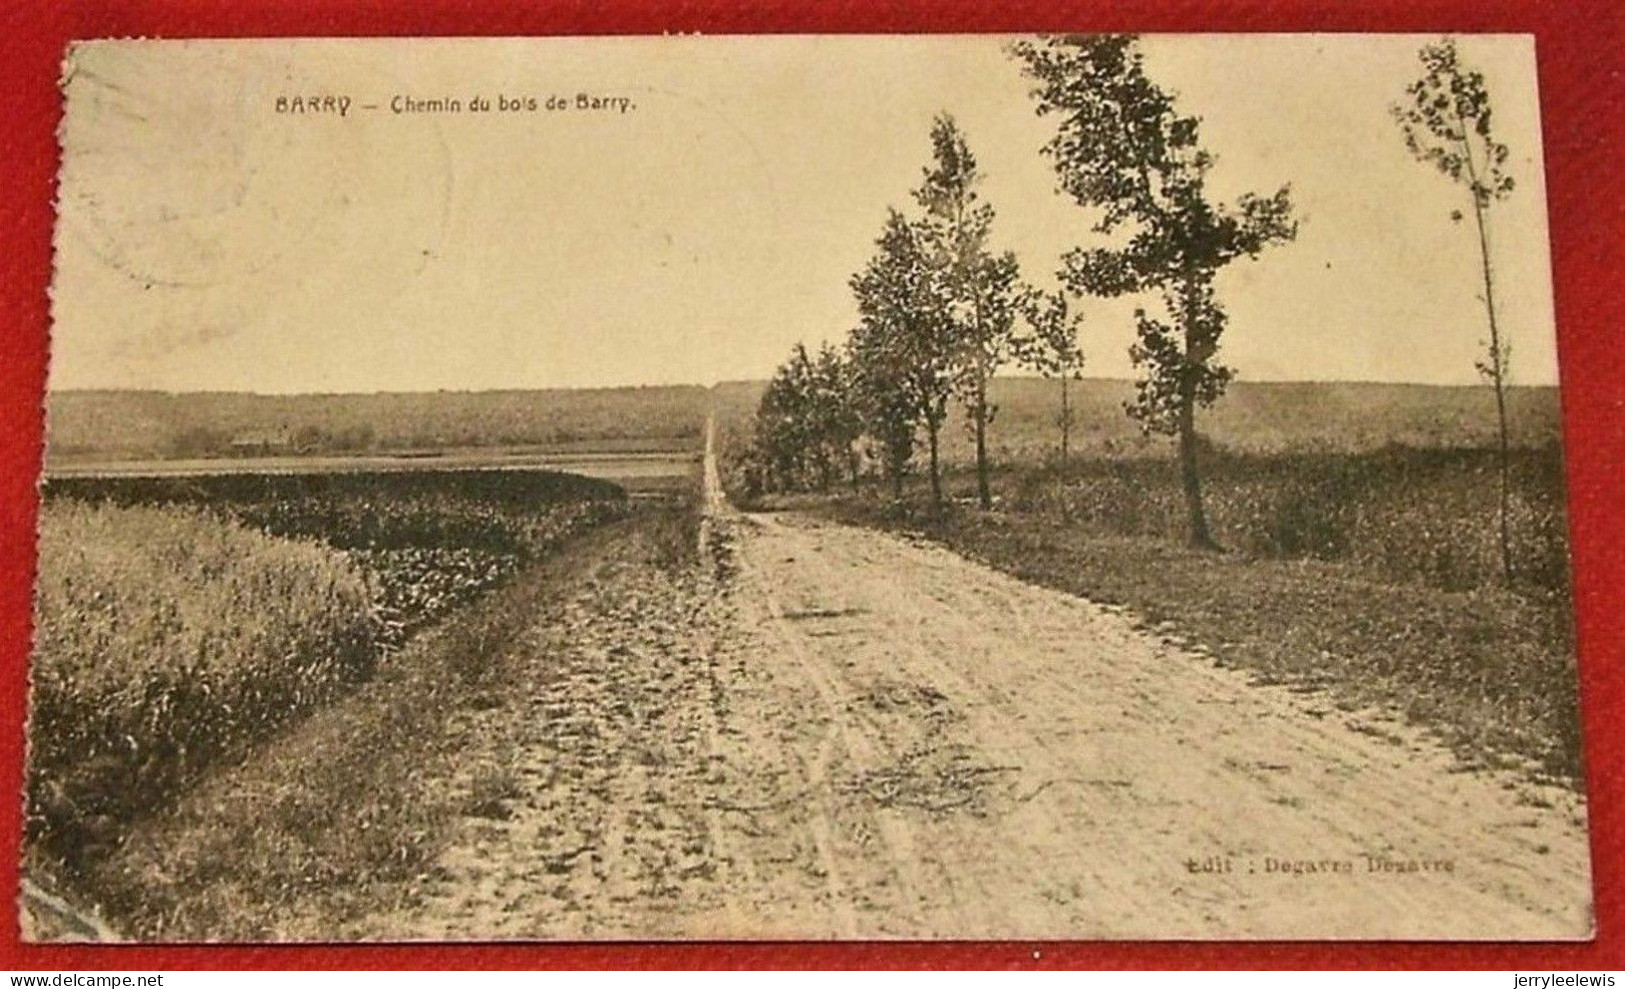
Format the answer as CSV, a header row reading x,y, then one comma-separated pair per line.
x,y
1498,378
1066,422
1506,479
1190,478
984,495
936,472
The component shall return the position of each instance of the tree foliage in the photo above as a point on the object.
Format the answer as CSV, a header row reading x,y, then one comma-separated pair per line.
x,y
1050,347
836,414
979,291
783,423
1446,122
808,421
904,342
938,313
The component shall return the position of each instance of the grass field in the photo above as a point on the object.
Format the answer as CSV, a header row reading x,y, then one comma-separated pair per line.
x,y
183,619
1401,514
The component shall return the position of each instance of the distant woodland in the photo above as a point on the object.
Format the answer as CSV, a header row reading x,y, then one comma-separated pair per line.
x,y
137,424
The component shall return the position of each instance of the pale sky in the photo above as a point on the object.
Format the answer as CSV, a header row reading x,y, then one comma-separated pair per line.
x,y
208,242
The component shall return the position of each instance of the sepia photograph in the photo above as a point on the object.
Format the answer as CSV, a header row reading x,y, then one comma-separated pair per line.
x,y
804,487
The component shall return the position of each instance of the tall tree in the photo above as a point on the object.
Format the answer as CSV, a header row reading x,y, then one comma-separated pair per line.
x,y
1446,123
837,424
785,423
1051,349
904,344
807,422
1123,148
888,412
980,289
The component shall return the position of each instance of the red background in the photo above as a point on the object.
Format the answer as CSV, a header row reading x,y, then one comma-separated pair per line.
x,y
1579,47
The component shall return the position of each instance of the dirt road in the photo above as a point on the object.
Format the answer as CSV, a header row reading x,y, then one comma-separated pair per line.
x,y
833,732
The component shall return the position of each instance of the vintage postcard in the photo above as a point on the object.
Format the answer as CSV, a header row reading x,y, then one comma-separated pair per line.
x,y
820,487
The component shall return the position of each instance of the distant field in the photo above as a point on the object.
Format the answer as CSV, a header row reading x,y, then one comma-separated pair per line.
x,y
84,426
638,474
1252,417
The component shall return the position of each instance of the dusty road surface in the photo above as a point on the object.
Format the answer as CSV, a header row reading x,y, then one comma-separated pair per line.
x,y
833,732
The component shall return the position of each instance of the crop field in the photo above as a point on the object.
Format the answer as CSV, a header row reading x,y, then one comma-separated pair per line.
x,y
181,619
428,541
